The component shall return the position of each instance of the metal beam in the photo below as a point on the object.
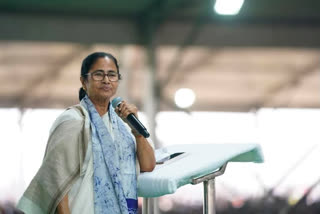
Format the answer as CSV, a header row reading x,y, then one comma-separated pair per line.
x,y
243,35
123,31
40,27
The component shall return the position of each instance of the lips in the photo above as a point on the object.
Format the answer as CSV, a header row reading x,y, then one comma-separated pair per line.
x,y
106,88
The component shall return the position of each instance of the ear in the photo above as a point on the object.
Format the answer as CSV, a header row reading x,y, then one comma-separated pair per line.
x,y
83,82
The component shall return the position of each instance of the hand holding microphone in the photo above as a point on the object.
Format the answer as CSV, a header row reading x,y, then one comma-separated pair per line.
x,y
128,113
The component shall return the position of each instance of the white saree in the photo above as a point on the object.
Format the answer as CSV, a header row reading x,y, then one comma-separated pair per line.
x,y
67,167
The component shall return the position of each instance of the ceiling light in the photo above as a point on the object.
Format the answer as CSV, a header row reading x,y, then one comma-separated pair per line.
x,y
228,7
184,97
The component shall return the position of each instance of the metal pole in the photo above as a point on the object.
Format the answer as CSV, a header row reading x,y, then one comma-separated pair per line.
x,y
145,207
151,101
209,191
209,197
152,98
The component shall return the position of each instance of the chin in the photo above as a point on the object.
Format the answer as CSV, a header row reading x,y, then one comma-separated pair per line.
x,y
107,95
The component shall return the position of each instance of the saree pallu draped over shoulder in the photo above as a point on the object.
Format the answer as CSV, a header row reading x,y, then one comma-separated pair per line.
x,y
61,165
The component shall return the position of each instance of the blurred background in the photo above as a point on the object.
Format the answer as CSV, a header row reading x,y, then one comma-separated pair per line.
x,y
200,71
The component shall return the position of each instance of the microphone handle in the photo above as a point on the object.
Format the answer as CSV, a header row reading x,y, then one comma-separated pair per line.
x,y
137,125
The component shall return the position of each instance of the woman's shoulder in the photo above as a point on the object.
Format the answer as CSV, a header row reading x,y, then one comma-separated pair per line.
x,y
74,113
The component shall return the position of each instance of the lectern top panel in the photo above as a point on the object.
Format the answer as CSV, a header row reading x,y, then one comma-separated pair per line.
x,y
195,160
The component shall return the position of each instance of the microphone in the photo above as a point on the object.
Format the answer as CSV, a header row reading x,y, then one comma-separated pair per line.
x,y
132,119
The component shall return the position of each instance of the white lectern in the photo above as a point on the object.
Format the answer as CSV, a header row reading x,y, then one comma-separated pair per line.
x,y
193,164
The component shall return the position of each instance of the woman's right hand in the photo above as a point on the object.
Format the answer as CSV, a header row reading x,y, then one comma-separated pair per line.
x,y
63,206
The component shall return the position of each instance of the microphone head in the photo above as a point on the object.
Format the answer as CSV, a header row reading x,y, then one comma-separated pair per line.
x,y
116,101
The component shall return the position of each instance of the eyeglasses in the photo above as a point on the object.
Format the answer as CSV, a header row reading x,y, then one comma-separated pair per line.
x,y
100,75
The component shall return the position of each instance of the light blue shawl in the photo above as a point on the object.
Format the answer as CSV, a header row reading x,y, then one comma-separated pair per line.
x,y
115,184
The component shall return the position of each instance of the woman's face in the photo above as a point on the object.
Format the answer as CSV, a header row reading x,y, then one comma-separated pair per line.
x,y
101,90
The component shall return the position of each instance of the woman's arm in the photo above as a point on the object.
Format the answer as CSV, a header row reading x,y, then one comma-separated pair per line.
x,y
145,152
63,206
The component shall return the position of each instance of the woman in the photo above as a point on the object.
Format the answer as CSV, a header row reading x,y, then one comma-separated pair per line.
x,y
90,161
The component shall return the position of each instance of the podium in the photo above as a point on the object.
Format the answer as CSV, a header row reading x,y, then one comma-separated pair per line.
x,y
192,164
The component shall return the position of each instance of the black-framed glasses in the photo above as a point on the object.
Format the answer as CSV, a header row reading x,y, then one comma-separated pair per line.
x,y
100,75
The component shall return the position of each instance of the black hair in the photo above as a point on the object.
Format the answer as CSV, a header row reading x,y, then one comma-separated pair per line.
x,y
88,62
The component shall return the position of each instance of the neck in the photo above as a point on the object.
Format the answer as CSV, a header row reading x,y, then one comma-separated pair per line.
x,y
101,106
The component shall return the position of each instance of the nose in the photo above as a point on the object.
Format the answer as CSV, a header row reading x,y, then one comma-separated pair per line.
x,y
106,78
